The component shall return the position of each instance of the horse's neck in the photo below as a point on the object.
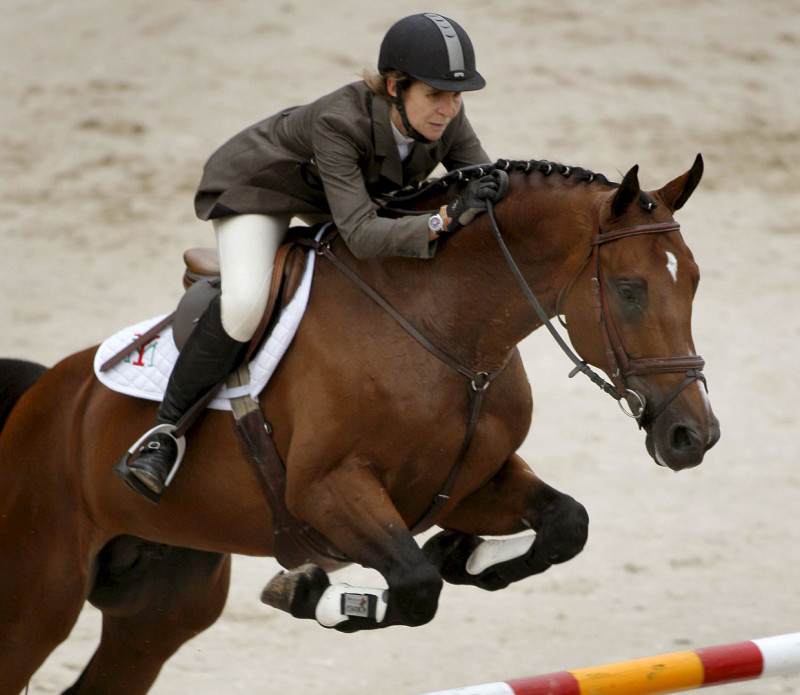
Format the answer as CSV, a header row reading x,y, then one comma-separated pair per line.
x,y
484,312
466,299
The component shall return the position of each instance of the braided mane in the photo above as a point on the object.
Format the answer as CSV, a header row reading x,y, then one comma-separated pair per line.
x,y
414,192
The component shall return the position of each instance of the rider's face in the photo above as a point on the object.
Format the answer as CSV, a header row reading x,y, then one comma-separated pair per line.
x,y
429,110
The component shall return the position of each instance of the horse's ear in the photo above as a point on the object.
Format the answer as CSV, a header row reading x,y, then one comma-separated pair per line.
x,y
677,192
627,193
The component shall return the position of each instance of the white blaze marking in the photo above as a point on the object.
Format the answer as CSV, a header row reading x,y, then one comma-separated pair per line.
x,y
672,265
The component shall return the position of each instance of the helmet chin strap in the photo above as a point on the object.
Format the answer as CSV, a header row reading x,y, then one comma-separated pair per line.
x,y
411,131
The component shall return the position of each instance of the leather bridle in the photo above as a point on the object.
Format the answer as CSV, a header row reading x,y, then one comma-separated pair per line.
x,y
621,365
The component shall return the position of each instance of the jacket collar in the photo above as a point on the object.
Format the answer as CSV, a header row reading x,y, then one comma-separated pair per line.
x,y
423,157
385,147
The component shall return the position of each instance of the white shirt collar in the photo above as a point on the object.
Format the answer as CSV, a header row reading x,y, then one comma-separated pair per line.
x,y
403,142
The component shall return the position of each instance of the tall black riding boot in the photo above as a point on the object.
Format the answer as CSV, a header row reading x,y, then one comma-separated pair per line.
x,y
208,356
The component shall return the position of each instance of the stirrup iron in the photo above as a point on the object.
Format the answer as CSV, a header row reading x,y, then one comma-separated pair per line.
x,y
122,470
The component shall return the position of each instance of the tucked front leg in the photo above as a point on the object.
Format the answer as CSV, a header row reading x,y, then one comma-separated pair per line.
x,y
349,506
513,500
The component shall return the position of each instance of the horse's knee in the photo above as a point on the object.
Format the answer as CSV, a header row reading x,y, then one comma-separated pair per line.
x,y
561,525
562,530
414,594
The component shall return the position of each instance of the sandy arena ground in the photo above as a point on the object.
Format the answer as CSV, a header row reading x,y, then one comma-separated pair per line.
x,y
109,111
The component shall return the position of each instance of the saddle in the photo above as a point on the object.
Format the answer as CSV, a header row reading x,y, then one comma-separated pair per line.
x,y
202,272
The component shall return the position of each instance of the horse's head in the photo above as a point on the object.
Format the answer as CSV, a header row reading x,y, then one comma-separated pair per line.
x,y
628,312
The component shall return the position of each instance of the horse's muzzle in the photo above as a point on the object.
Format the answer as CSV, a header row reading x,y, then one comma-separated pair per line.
x,y
681,443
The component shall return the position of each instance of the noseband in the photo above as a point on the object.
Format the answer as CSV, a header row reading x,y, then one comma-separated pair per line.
x,y
621,364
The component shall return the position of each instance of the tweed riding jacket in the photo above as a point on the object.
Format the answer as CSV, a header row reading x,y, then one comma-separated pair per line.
x,y
328,158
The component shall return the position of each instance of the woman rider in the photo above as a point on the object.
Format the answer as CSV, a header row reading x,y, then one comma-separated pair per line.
x,y
325,159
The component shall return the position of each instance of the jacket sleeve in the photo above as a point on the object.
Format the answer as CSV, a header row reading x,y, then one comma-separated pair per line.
x,y
339,151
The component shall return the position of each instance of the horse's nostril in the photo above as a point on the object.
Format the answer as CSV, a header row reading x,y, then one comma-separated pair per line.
x,y
684,438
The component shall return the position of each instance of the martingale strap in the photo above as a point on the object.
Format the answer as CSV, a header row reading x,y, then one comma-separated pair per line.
x,y
478,381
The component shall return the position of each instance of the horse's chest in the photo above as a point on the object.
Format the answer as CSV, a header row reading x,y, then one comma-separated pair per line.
x,y
430,429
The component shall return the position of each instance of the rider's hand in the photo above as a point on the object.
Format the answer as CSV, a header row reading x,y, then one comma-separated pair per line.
x,y
462,209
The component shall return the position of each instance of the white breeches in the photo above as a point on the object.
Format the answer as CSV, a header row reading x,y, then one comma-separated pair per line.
x,y
247,246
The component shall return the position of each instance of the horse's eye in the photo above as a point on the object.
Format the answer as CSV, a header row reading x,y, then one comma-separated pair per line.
x,y
626,290
632,292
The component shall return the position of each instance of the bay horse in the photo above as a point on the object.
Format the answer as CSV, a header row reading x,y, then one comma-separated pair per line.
x,y
368,423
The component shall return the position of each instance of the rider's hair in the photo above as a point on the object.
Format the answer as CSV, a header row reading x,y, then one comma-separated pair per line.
x,y
377,82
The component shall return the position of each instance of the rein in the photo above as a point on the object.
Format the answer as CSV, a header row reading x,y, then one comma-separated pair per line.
x,y
620,363
580,365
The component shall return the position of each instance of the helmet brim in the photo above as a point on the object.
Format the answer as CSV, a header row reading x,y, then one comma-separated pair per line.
x,y
471,84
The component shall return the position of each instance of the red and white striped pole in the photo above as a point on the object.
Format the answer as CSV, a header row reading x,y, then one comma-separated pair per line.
x,y
667,673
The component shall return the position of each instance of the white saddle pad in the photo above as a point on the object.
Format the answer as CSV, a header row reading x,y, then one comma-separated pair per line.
x,y
145,372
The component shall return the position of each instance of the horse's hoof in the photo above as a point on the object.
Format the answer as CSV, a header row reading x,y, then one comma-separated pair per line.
x,y
296,591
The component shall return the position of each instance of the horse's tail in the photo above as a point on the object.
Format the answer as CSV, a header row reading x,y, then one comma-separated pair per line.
x,y
16,377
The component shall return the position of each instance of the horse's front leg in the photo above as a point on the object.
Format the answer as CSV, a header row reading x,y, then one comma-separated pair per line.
x,y
513,501
351,508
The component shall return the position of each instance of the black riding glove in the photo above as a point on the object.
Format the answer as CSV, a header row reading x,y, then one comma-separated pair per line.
x,y
462,209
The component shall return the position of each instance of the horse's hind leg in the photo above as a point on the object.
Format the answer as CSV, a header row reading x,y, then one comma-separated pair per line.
x,y
43,580
38,607
154,598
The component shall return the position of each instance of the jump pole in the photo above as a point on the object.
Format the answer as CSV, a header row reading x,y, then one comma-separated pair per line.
x,y
667,673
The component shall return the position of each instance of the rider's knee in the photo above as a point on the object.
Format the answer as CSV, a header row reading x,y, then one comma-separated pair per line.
x,y
242,311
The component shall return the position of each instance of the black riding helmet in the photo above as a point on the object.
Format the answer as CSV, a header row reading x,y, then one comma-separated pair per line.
x,y
432,49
